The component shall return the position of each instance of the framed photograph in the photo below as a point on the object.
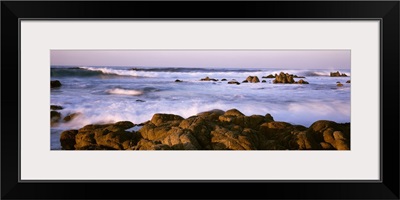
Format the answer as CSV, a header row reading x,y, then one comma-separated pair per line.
x,y
290,96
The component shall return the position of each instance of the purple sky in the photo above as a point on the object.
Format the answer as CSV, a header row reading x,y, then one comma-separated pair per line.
x,y
288,59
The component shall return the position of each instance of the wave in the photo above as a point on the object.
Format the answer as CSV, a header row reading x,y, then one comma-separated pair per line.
x,y
77,72
170,72
125,92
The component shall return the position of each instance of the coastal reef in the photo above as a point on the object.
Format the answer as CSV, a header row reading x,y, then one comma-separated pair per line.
x,y
212,130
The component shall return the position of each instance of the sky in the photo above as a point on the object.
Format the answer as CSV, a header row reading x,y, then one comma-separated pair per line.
x,y
287,59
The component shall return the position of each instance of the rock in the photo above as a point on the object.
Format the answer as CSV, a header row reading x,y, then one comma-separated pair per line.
x,y
210,130
71,117
106,136
348,81
223,79
252,79
54,117
284,78
67,139
337,81
144,144
301,81
181,139
295,76
159,119
245,81
55,84
178,81
139,100
269,118
337,74
269,76
56,107
264,81
339,85
208,79
233,81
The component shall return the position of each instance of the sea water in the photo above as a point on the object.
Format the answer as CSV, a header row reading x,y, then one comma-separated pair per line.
x,y
111,94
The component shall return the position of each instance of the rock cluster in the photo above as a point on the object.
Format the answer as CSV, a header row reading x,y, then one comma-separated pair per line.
x,y
287,78
212,130
252,79
337,74
55,116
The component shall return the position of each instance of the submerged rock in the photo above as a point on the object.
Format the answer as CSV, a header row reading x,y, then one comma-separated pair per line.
x,y
208,79
56,107
71,116
55,84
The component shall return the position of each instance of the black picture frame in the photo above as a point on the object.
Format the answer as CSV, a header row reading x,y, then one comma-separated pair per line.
x,y
386,11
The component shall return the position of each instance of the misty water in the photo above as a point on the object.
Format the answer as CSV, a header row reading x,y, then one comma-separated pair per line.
x,y
110,94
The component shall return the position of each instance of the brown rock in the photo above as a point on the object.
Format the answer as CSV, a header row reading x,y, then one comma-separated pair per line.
x,y
67,139
71,117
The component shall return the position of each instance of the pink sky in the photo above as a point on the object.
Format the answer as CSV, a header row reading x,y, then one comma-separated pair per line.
x,y
288,59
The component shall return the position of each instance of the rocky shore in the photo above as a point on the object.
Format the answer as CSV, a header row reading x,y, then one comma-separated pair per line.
x,y
212,130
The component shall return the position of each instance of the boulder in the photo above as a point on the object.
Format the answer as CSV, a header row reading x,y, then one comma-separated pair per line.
x,y
56,107
252,79
106,136
337,74
339,85
67,139
269,76
71,116
223,79
233,81
348,81
264,81
178,81
54,117
301,81
208,79
55,84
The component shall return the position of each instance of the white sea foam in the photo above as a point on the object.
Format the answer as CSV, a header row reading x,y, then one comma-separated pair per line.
x,y
124,92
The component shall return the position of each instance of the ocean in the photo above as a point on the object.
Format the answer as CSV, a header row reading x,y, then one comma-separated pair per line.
x,y
111,94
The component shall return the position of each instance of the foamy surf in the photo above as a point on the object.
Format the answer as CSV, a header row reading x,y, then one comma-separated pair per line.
x,y
124,92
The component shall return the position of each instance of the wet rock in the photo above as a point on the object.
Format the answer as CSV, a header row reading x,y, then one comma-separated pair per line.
x,y
55,84
208,79
252,79
178,81
56,107
301,81
67,139
71,116
223,79
339,85
284,78
337,74
269,76
233,81
348,81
